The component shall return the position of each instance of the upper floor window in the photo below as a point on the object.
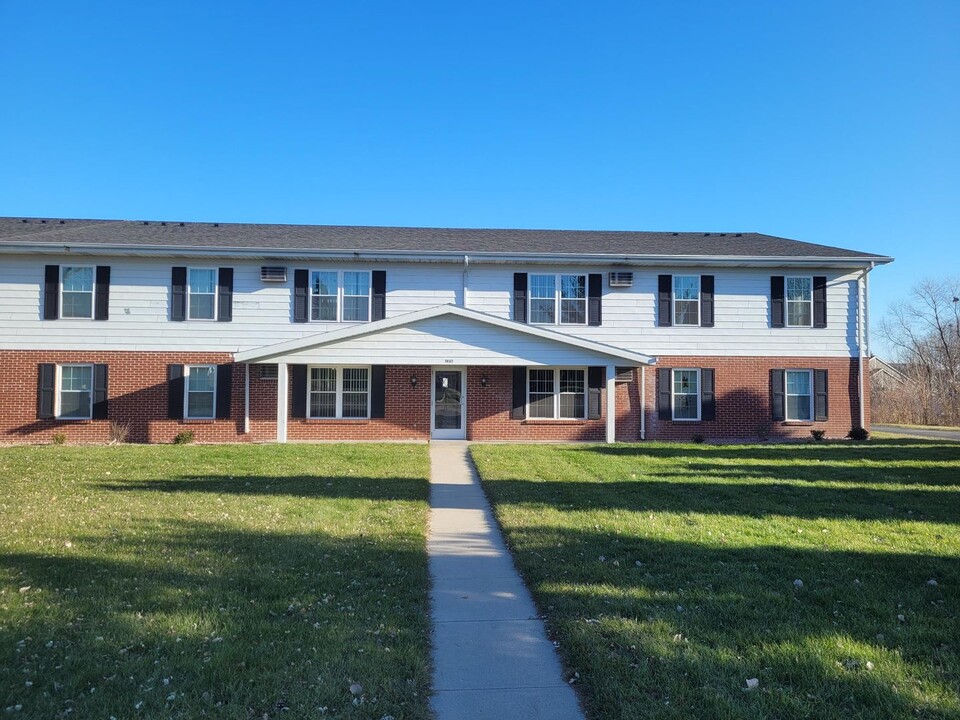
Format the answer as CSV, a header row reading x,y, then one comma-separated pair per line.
x,y
339,392
686,394
558,299
799,291
75,398
202,294
200,391
686,299
556,393
340,295
76,292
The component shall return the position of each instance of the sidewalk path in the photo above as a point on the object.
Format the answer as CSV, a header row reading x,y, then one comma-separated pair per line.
x,y
491,656
929,433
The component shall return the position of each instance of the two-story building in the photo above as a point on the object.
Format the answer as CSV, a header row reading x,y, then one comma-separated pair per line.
x,y
289,332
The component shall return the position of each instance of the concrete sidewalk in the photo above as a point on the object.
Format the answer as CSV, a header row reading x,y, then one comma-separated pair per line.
x,y
491,656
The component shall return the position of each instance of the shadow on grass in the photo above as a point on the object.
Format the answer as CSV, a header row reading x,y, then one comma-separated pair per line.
x,y
241,624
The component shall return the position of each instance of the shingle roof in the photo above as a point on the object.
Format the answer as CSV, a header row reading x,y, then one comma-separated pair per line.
x,y
407,239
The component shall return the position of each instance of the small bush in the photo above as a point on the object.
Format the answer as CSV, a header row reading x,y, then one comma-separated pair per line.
x,y
698,438
858,434
59,438
119,432
818,435
184,437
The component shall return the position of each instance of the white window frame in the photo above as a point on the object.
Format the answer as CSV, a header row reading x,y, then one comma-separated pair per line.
x,y
787,396
673,393
216,295
186,392
557,297
93,291
58,389
556,394
339,392
787,301
673,292
340,296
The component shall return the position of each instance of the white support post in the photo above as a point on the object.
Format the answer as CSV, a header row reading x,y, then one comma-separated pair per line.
x,y
246,398
611,403
282,402
643,402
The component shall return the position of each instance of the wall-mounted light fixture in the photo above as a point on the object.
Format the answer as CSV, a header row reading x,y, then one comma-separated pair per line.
x,y
484,380
413,381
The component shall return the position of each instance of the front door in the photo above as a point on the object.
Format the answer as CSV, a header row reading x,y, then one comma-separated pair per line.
x,y
449,405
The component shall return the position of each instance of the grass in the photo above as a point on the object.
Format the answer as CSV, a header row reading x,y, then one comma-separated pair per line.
x,y
214,581
666,573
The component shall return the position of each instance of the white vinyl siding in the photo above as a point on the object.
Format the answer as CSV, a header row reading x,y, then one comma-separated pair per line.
x,y
799,395
76,292
338,392
686,394
202,293
200,392
74,392
340,295
558,299
556,393
686,299
799,299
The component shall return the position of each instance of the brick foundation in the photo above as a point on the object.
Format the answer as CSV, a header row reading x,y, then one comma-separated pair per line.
x,y
138,396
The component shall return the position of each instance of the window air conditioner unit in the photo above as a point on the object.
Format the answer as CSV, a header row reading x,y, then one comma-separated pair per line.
x,y
619,278
273,274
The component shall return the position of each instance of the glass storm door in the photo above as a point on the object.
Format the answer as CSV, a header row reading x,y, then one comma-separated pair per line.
x,y
448,405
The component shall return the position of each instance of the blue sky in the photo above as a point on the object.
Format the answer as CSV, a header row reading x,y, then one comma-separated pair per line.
x,y
833,122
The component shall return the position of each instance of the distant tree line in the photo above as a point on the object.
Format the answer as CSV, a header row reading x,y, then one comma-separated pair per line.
x,y
924,329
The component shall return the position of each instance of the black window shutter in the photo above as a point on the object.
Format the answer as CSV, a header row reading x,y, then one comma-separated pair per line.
x,y
378,391
51,293
708,395
819,301
175,392
776,301
664,383
100,377
595,299
379,281
298,377
664,295
596,380
225,295
46,387
520,299
178,297
102,309
777,398
820,394
706,301
224,390
519,411
301,298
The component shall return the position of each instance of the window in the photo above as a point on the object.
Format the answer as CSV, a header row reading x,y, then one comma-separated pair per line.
x,y
558,298
202,294
268,372
556,393
799,387
76,292
200,390
75,399
799,292
686,394
338,392
686,299
340,295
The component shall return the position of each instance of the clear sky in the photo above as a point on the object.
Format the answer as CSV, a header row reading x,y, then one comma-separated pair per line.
x,y
833,122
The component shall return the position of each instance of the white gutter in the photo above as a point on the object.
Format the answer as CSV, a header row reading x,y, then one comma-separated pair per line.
x,y
466,279
863,335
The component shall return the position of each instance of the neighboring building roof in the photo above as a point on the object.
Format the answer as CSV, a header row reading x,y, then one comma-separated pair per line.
x,y
894,371
312,238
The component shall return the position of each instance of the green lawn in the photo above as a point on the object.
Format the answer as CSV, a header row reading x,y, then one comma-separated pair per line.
x,y
214,581
666,573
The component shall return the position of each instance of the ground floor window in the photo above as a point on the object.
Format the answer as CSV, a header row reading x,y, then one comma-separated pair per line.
x,y
686,394
556,393
75,397
338,392
200,391
799,392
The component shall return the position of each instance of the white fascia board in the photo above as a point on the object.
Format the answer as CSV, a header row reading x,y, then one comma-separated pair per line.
x,y
264,354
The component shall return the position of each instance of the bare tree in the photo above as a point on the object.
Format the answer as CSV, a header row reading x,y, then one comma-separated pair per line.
x,y
925,330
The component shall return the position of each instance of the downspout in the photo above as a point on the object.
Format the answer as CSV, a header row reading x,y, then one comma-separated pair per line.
x,y
863,334
466,279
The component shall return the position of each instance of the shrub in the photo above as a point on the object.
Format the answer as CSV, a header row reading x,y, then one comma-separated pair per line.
x,y
119,432
859,434
184,437
59,438
698,438
818,435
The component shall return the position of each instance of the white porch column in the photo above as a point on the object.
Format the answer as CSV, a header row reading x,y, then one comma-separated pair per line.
x,y
611,403
246,398
282,402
